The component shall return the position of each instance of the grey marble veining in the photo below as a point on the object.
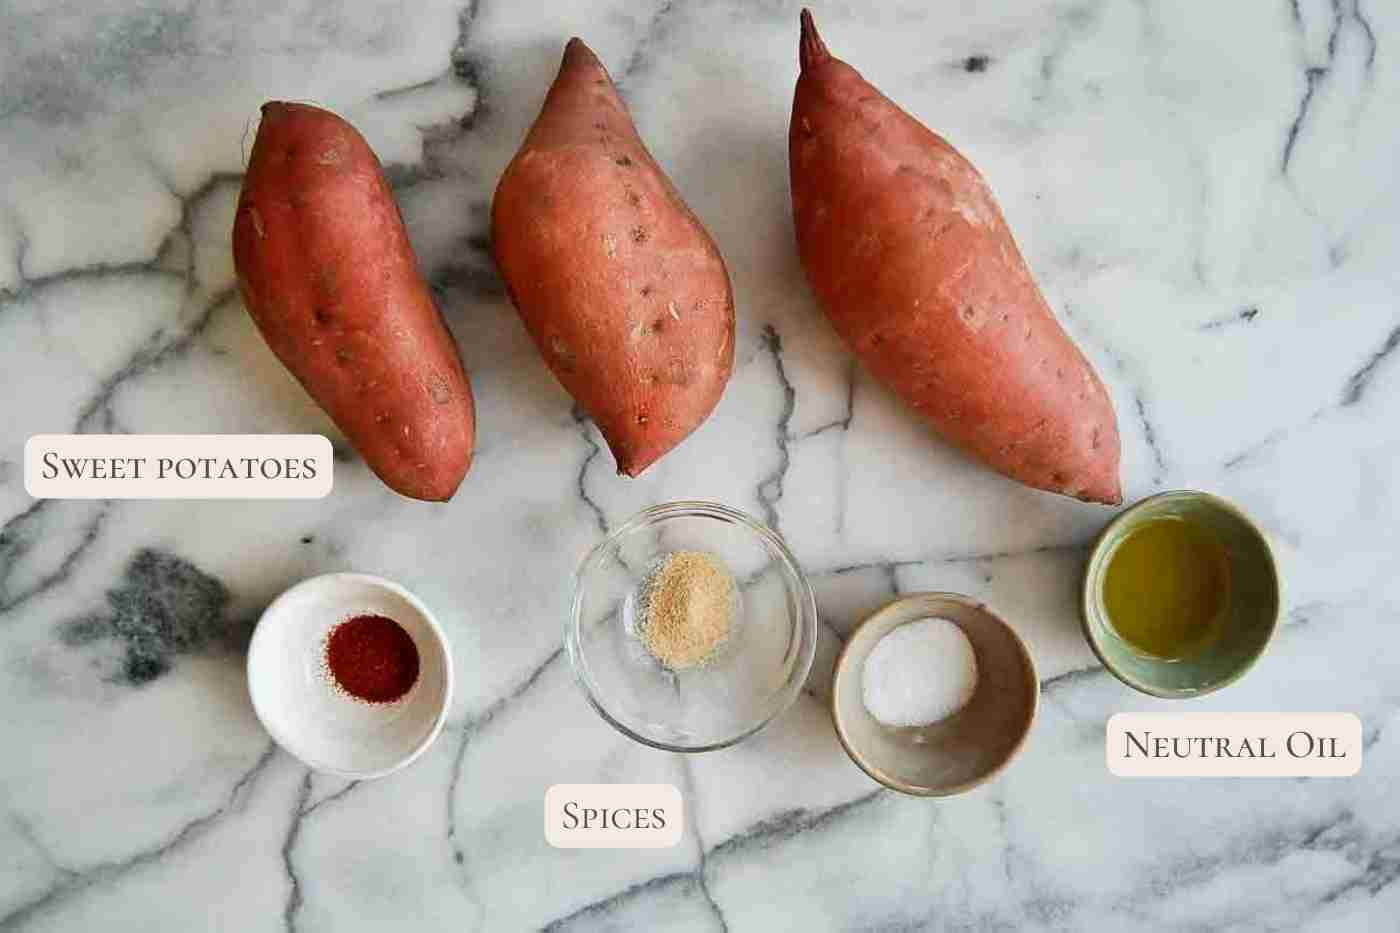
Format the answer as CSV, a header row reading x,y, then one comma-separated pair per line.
x,y
1208,194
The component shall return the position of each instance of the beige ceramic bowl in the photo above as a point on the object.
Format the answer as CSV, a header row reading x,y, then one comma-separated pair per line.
x,y
971,746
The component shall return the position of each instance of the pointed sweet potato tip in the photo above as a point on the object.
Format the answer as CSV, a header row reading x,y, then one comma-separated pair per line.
x,y
811,50
577,52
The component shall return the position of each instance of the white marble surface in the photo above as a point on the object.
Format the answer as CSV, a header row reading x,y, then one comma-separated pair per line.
x,y
1208,193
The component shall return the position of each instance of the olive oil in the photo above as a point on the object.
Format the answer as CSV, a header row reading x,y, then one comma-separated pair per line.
x,y
1166,588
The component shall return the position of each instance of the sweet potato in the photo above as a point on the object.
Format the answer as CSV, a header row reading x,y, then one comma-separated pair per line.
x,y
327,272
622,290
911,259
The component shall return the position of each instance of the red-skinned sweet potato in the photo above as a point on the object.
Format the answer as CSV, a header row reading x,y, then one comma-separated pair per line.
x,y
911,259
625,294
327,272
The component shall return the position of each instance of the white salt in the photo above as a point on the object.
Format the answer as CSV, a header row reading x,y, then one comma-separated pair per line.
x,y
919,673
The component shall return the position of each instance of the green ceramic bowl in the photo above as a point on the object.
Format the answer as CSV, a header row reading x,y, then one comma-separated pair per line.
x,y
1252,610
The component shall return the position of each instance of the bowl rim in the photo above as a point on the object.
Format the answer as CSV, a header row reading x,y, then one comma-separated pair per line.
x,y
889,780
806,622
1096,556
337,578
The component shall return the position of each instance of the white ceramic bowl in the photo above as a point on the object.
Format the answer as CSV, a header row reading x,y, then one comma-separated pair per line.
x,y
300,706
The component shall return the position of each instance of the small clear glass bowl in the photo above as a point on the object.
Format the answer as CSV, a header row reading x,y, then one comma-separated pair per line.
x,y
755,673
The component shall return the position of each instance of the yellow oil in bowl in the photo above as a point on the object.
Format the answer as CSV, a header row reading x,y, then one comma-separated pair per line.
x,y
1166,588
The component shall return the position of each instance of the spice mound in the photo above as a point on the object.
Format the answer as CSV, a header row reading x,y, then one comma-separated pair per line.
x,y
919,673
687,605
371,658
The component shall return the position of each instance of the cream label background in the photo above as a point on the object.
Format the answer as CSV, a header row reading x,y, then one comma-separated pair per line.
x,y
1234,744
177,466
613,816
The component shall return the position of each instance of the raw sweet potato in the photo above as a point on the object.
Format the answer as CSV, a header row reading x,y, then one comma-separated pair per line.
x,y
623,291
911,259
327,272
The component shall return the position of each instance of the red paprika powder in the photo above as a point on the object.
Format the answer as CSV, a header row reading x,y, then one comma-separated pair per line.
x,y
372,658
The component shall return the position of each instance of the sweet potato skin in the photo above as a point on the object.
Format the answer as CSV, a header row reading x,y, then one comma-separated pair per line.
x,y
621,288
910,258
327,272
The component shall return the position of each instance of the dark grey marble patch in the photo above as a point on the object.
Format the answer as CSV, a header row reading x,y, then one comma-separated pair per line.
x,y
164,607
